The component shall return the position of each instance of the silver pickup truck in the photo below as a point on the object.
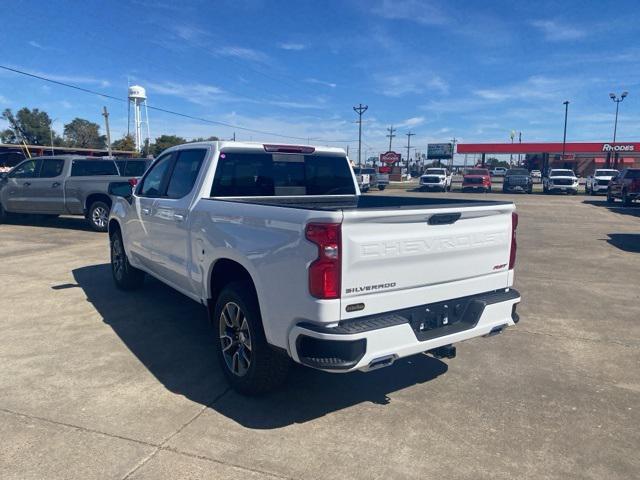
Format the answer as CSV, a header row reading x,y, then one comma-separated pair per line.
x,y
65,185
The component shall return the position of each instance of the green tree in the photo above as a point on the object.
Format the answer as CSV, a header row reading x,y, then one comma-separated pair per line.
x,y
82,133
127,143
493,162
202,139
165,141
32,126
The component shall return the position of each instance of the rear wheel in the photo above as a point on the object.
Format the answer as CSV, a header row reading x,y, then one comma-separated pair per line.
x,y
250,364
3,214
98,216
124,275
381,187
626,199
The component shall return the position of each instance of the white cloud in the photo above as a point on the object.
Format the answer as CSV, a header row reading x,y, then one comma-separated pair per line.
x,y
292,46
4,100
558,32
537,87
242,53
198,93
35,44
425,12
400,84
321,82
411,122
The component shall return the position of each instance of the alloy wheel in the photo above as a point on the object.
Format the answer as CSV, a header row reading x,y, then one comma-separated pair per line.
x,y
235,339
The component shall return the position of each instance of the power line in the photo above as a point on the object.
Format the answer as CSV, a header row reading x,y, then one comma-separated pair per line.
x,y
391,135
164,110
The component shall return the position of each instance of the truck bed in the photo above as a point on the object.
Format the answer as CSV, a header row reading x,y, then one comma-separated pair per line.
x,y
362,202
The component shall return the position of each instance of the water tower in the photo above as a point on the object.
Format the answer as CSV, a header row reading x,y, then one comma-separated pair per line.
x,y
138,100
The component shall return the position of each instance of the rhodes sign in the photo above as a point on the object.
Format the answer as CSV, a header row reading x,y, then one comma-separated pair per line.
x,y
607,147
390,158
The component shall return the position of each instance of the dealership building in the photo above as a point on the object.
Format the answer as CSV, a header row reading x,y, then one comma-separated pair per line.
x,y
582,157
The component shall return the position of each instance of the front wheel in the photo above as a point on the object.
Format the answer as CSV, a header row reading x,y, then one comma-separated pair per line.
x,y
626,199
610,198
381,187
98,216
124,275
250,364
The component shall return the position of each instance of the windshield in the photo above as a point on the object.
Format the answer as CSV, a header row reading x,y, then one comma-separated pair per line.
x,y
266,174
436,171
562,173
517,171
606,173
477,171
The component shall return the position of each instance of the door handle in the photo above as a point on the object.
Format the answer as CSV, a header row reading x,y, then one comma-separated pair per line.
x,y
55,184
178,217
146,211
26,184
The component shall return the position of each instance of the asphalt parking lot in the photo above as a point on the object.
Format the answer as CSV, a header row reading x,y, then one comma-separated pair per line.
x,y
96,383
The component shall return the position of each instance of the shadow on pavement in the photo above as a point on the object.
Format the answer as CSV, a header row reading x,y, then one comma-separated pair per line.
x,y
171,336
68,223
629,242
616,207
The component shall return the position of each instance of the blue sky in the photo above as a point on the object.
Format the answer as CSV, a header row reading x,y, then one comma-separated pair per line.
x,y
473,70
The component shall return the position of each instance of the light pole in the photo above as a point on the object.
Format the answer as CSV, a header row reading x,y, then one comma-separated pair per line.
x,y
360,109
613,97
564,136
512,135
51,134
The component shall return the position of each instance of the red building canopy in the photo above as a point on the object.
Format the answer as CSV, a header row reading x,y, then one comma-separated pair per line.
x,y
549,147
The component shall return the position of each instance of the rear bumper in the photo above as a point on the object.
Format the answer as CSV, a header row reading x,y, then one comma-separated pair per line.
x,y
377,340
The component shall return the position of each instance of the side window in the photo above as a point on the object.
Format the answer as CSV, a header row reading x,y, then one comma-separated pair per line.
x,y
28,169
51,167
93,168
134,168
152,184
185,171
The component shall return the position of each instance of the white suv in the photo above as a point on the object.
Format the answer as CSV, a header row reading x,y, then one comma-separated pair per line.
x,y
560,180
599,181
436,179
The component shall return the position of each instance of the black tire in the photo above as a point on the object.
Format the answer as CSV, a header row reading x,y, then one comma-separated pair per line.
x,y
250,364
381,187
626,199
98,216
610,198
530,190
3,214
124,275
489,190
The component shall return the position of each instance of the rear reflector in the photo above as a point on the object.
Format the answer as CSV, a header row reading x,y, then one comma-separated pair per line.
x,y
133,182
288,149
325,271
514,244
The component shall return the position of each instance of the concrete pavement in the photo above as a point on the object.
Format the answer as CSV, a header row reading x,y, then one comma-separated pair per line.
x,y
96,383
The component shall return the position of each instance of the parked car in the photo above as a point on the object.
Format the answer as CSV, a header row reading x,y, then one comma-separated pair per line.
x,y
536,174
241,226
376,179
363,179
60,185
498,172
436,179
517,180
476,179
625,186
560,180
599,181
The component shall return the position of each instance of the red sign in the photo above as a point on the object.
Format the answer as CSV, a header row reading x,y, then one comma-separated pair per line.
x,y
550,147
384,169
390,157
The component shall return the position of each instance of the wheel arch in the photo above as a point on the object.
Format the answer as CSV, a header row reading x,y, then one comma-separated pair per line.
x,y
225,271
96,197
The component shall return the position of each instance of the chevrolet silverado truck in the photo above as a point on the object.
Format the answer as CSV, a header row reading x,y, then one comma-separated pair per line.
x,y
294,264
63,185
436,179
625,186
560,180
599,181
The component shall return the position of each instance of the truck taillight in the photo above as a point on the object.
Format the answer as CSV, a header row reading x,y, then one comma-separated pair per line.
x,y
325,272
514,244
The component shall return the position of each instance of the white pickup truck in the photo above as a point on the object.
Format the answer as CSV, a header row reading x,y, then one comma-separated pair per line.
x,y
293,263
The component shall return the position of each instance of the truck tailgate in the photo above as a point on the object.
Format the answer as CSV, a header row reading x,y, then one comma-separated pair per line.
x,y
396,258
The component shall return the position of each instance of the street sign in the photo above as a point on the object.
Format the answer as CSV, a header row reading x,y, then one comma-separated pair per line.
x,y
390,158
439,151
